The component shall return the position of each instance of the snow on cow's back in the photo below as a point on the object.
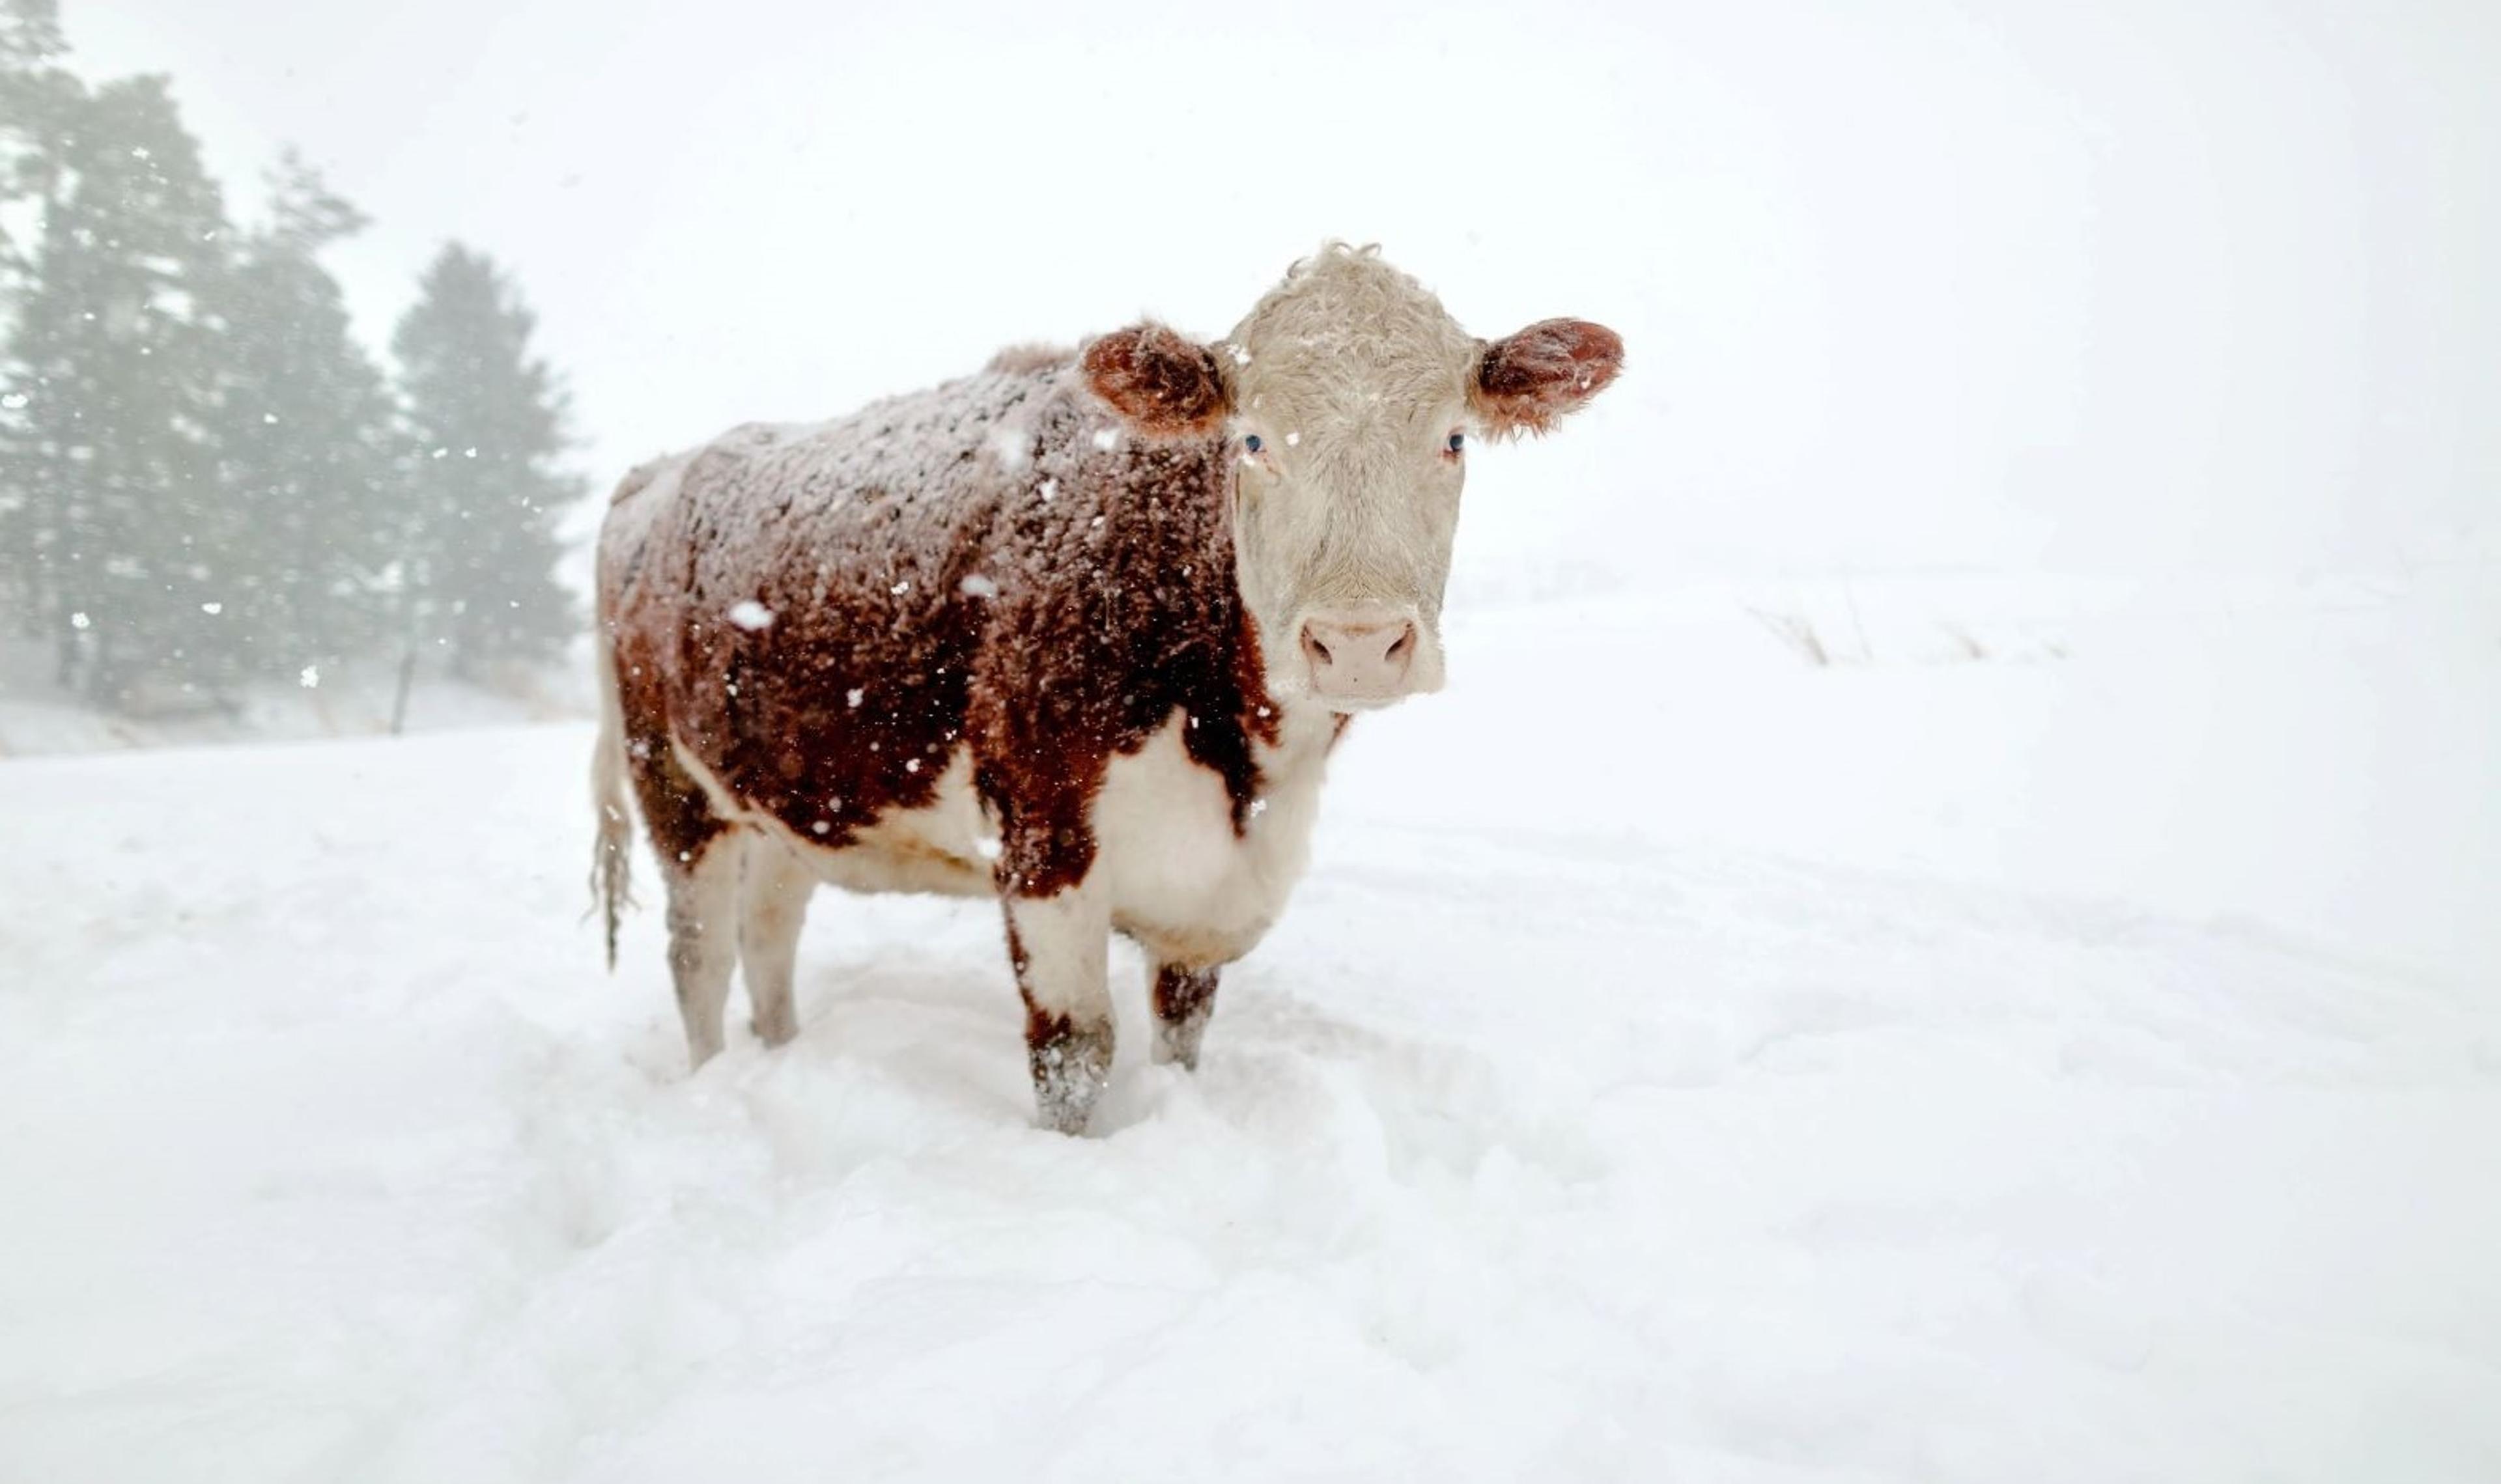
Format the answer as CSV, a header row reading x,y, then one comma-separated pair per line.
x,y
869,495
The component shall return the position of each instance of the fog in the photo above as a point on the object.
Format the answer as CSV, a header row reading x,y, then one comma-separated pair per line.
x,y
2138,287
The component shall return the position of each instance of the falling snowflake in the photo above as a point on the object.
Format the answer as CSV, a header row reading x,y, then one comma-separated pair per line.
x,y
978,586
751,615
213,609
309,677
1013,447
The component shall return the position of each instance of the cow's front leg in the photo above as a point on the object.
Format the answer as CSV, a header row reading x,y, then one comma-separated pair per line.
x,y
1060,946
1183,1000
772,906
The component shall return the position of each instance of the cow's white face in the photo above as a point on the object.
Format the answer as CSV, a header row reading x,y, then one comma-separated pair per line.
x,y
1350,399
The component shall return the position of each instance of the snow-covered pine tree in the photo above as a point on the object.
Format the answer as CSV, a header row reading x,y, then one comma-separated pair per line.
x,y
306,437
488,421
121,526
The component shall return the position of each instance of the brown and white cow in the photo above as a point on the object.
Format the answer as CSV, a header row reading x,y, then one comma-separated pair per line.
x,y
1077,631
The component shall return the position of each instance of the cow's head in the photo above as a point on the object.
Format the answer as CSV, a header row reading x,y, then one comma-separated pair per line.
x,y
1348,398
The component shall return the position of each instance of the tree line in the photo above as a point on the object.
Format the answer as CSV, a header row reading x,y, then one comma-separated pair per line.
x,y
205,480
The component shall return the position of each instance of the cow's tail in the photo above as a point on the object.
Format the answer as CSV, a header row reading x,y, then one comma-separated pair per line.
x,y
610,861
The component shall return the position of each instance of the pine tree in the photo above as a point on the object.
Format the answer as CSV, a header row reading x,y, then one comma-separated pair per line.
x,y
37,101
308,445
35,95
488,423
113,375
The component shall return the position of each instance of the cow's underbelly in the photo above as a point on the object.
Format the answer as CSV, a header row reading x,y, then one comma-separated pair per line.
x,y
1170,868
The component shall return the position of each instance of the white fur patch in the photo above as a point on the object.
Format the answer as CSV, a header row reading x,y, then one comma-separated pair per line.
x,y
1177,876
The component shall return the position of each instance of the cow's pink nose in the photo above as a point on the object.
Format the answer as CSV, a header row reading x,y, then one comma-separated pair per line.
x,y
1358,656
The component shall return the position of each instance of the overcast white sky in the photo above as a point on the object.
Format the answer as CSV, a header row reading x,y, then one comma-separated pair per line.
x,y
1910,284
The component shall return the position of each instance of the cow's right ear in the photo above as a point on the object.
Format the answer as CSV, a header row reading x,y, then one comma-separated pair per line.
x,y
1161,383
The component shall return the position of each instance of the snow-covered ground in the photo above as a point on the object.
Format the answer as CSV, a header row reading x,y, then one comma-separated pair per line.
x,y
1683,1062
37,717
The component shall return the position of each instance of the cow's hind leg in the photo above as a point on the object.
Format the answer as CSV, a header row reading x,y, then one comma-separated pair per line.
x,y
703,942
1183,998
1061,946
773,905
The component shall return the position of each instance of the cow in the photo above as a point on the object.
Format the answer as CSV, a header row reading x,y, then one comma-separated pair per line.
x,y
1078,633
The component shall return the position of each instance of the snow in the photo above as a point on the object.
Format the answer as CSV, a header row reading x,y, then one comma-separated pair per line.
x,y
37,717
1683,1061
751,615
1012,445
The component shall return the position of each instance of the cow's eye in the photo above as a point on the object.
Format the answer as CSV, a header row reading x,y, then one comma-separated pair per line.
x,y
1250,442
1457,442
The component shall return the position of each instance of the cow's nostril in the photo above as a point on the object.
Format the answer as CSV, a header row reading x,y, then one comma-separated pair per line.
x,y
1405,636
1319,651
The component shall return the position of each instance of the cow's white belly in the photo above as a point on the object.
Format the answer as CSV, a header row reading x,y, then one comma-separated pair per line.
x,y
1168,865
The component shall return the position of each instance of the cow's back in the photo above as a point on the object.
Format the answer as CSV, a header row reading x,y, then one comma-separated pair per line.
x,y
790,603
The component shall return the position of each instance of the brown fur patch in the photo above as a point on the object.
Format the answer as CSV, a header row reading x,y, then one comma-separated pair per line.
x,y
1526,382
1163,385
1183,993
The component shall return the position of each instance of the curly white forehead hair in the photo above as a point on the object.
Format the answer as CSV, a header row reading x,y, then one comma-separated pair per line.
x,y
1343,336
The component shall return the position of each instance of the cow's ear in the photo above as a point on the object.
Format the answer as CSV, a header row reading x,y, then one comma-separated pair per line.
x,y
1525,382
1161,383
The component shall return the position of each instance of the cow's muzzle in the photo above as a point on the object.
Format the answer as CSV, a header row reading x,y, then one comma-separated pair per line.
x,y
1361,657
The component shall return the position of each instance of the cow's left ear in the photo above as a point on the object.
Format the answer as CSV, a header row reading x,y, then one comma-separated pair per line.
x,y
1525,382
1161,383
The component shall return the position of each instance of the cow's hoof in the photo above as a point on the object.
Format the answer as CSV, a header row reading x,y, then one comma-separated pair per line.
x,y
1176,1040
1070,1072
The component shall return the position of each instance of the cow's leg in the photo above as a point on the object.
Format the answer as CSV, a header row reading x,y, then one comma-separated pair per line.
x,y
1060,946
703,940
772,906
1183,998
